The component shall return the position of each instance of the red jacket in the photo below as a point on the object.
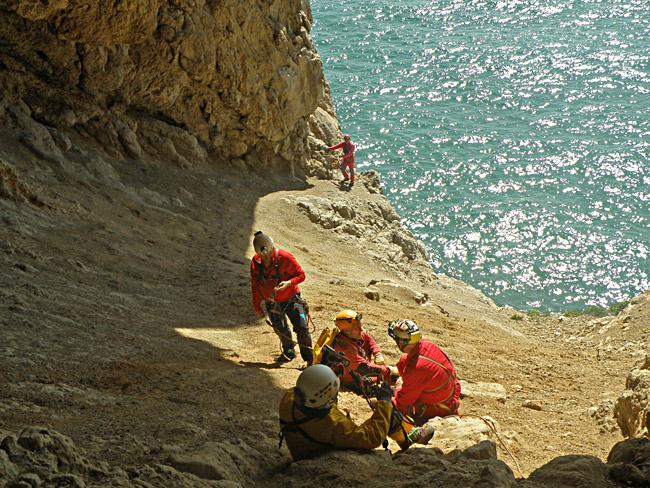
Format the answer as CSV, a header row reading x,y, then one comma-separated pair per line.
x,y
428,378
348,151
359,353
263,280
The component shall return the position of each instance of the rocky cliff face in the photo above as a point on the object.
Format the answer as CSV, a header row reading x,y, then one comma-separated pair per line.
x,y
128,352
186,80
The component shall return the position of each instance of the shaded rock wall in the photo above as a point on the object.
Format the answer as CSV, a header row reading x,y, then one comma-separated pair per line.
x,y
181,79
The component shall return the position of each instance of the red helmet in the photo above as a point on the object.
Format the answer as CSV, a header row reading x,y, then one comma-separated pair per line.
x,y
346,137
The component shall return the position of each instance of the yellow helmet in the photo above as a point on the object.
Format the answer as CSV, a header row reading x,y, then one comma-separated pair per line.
x,y
405,331
346,319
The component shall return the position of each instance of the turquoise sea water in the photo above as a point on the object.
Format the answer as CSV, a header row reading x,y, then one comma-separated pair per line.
x,y
512,136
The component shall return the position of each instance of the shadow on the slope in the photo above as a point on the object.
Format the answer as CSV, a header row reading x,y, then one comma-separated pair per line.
x,y
344,186
273,365
125,251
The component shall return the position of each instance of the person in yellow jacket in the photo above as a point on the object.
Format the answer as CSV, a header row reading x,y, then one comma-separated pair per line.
x,y
312,424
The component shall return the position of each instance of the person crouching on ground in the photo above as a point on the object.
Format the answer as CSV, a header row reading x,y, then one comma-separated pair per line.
x,y
430,386
275,275
312,424
360,348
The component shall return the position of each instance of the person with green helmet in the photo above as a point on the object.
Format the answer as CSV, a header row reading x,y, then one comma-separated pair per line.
x,y
430,386
275,276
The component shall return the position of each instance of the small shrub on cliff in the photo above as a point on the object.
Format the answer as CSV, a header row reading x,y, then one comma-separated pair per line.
x,y
535,313
618,307
594,311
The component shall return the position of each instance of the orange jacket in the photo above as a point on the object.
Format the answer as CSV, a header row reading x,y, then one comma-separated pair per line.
x,y
264,279
428,378
307,437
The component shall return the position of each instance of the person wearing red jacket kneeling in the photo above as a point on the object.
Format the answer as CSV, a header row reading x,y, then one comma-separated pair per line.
x,y
362,352
430,386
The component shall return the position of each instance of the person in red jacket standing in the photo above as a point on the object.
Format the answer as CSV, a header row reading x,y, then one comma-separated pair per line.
x,y
430,386
275,275
362,351
347,161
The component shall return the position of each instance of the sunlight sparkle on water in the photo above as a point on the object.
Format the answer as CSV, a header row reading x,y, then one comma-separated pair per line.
x,y
513,137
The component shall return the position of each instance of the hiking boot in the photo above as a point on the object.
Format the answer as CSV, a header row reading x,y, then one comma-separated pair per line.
x,y
418,435
288,355
423,434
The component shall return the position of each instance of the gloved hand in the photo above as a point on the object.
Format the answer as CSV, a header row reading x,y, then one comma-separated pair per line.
x,y
379,359
394,372
384,393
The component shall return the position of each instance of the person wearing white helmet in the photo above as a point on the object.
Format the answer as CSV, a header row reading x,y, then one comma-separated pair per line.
x,y
347,161
275,275
430,386
311,423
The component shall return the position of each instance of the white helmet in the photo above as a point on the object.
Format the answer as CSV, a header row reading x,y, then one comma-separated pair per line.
x,y
318,385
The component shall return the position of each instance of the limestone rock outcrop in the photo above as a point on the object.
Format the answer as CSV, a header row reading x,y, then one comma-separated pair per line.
x,y
632,409
186,80
373,224
43,457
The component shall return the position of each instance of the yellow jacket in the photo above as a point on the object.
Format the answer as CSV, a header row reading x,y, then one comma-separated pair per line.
x,y
307,437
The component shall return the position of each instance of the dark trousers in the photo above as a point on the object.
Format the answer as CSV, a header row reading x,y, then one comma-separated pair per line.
x,y
295,310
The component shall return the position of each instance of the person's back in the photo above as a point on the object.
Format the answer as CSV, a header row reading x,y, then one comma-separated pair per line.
x,y
429,378
312,424
430,386
309,433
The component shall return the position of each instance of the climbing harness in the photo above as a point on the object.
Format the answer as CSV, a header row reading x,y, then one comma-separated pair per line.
x,y
278,311
294,425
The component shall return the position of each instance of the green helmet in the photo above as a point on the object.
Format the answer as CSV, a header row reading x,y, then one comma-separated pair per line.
x,y
405,331
262,243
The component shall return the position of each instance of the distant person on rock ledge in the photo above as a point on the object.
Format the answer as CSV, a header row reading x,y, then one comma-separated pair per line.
x,y
430,386
275,275
347,161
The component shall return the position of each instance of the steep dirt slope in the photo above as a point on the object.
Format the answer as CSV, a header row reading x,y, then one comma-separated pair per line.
x,y
127,324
